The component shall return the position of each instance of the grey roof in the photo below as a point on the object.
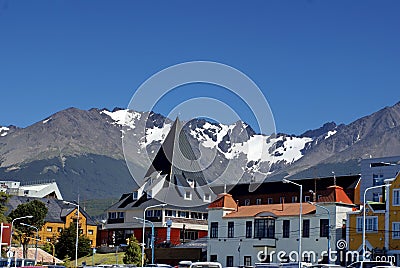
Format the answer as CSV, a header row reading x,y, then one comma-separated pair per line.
x,y
176,167
198,243
57,209
126,202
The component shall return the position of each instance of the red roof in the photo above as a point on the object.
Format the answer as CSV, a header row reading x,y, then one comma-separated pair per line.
x,y
223,201
335,195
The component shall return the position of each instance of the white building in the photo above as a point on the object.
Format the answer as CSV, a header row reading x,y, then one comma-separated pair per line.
x,y
39,190
249,234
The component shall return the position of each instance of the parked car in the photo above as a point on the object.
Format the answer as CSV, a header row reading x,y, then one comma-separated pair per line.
x,y
369,264
206,265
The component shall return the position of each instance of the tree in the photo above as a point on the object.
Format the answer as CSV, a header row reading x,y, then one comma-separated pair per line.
x,y
65,247
3,208
133,253
38,210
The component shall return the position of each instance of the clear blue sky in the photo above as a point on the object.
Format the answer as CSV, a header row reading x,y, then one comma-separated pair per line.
x,y
315,61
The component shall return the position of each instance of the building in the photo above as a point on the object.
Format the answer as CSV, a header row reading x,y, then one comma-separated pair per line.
x,y
373,172
39,190
272,191
382,228
59,216
245,235
175,180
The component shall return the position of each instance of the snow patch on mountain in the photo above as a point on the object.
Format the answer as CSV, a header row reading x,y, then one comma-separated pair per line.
x,y
262,148
330,133
123,117
4,131
155,134
211,135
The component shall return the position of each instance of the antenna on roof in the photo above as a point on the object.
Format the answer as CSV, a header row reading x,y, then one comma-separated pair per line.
x,y
334,178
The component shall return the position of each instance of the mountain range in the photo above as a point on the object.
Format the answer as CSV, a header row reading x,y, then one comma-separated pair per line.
x,y
82,149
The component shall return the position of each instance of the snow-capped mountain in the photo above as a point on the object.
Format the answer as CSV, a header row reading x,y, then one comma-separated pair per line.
x,y
83,149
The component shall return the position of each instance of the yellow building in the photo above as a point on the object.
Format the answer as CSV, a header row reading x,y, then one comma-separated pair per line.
x,y
382,224
60,216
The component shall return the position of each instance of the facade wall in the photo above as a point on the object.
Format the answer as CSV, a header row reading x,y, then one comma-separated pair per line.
x,y
243,249
377,169
51,230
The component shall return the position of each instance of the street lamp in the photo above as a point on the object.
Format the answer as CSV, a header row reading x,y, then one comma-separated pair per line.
x,y
329,228
144,226
37,236
364,216
77,230
12,225
300,213
152,236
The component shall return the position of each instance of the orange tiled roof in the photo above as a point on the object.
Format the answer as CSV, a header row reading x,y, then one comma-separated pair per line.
x,y
289,209
336,195
223,201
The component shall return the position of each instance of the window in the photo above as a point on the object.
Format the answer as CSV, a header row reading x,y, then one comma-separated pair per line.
x,y
214,230
90,232
264,228
59,229
377,197
307,198
270,200
49,229
247,202
258,201
207,198
247,260
231,229
323,227
371,224
183,214
229,261
396,197
294,199
377,179
91,242
306,228
281,199
286,229
170,213
188,195
249,227
48,239
121,215
112,215
396,230
135,195
213,258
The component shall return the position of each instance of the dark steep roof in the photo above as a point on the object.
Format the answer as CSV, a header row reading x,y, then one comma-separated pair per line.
x,y
176,167
57,210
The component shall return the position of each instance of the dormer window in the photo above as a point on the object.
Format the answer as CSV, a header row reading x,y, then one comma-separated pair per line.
x,y
191,183
207,198
135,195
188,195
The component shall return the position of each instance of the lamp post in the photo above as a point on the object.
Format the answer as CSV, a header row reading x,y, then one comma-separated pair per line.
x,y
77,230
144,226
52,245
152,236
12,225
329,228
364,214
300,214
37,235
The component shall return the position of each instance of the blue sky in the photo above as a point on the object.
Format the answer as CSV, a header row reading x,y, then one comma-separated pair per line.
x,y
315,61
